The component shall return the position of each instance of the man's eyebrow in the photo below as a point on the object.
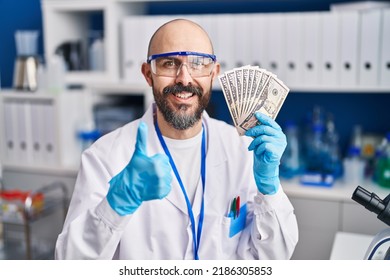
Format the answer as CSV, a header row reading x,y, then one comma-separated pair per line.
x,y
169,56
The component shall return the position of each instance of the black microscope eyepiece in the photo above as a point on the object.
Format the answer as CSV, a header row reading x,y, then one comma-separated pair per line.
x,y
373,203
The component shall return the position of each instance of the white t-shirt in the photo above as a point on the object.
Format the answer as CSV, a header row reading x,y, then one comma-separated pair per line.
x,y
186,155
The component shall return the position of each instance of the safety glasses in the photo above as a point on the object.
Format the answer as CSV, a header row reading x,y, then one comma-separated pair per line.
x,y
169,64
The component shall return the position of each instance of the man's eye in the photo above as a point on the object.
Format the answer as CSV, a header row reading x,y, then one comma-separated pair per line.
x,y
168,63
197,64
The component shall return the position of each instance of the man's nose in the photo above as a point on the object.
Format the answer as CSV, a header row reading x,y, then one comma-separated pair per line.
x,y
183,75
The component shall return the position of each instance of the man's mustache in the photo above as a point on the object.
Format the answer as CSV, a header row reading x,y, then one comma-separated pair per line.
x,y
177,88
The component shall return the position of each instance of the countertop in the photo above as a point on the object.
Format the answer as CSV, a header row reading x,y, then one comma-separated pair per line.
x,y
339,191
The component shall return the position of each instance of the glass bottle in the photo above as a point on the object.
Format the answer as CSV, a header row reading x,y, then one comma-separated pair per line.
x,y
332,164
383,164
290,163
354,166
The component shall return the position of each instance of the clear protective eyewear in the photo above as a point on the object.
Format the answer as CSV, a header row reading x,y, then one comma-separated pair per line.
x,y
169,64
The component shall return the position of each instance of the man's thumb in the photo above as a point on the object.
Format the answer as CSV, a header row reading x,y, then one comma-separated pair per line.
x,y
142,136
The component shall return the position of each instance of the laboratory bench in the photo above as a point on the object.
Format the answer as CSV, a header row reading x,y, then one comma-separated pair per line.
x,y
322,212
31,220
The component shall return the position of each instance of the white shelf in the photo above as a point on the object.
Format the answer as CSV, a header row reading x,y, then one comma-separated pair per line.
x,y
68,20
100,89
40,169
119,87
42,122
324,89
340,89
88,77
340,191
13,94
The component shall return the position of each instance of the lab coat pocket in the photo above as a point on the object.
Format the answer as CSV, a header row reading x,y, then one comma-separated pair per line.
x,y
236,224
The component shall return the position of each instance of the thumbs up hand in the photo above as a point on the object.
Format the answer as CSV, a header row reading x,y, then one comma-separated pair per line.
x,y
144,178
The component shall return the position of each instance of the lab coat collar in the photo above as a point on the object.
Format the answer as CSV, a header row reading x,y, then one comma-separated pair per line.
x,y
214,160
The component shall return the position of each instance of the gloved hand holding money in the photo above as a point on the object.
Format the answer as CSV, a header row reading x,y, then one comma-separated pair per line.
x,y
254,97
250,89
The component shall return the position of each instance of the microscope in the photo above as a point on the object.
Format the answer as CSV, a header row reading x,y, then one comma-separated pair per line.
x,y
379,248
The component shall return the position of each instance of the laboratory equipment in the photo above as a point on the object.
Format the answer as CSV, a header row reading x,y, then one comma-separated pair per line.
x,y
321,156
380,245
354,166
26,64
290,162
73,54
383,164
96,52
32,221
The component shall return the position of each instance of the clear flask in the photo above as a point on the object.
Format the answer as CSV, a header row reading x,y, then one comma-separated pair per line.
x,y
354,166
290,161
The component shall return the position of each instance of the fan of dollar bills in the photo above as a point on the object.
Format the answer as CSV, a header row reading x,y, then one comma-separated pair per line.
x,y
250,89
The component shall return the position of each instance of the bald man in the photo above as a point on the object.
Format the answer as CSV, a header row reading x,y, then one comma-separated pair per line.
x,y
177,184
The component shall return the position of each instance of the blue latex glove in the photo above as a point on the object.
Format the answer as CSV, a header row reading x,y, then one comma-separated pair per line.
x,y
144,178
268,145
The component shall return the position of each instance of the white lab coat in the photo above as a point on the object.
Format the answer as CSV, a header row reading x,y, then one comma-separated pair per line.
x,y
160,229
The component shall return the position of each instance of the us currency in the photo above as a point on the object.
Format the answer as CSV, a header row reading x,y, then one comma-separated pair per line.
x,y
245,77
252,88
260,92
262,80
231,79
226,92
239,84
272,98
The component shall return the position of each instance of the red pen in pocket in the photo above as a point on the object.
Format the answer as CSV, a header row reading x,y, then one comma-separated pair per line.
x,y
238,206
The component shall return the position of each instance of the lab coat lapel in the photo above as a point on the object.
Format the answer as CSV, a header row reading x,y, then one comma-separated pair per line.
x,y
215,160
176,196
215,163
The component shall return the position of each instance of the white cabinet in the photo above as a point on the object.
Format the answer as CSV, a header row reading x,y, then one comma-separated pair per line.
x,y
355,218
322,212
318,222
38,130
70,20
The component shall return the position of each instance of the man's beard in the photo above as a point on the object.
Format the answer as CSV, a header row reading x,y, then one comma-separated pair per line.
x,y
181,120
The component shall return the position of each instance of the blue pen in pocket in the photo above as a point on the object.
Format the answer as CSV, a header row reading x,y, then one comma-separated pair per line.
x,y
237,223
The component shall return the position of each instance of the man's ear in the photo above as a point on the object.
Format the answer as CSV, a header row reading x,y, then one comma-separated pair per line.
x,y
147,72
216,70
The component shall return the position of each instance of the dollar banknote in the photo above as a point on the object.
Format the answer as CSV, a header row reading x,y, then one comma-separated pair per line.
x,y
250,89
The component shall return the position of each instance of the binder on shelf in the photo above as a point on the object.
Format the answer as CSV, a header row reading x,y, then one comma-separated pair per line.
x,y
349,47
209,25
257,48
24,144
37,131
329,56
369,48
311,48
241,40
10,131
293,49
145,28
275,40
50,149
129,48
384,79
136,34
225,45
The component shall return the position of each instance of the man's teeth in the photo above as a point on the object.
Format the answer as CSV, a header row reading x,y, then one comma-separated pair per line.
x,y
183,95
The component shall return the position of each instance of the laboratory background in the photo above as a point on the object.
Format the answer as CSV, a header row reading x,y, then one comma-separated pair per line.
x,y
70,73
